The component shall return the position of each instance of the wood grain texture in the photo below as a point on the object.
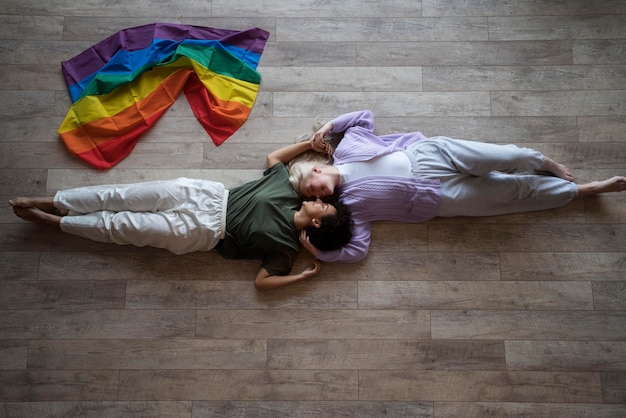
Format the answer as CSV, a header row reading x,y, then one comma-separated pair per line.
x,y
521,315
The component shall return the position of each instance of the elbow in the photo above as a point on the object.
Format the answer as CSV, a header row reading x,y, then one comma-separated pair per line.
x,y
360,256
260,284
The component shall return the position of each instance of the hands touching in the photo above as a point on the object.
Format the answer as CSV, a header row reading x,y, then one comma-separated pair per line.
x,y
317,142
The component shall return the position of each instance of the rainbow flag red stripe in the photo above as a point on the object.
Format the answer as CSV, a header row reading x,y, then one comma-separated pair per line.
x,y
122,85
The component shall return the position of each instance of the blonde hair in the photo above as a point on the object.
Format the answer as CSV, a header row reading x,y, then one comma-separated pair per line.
x,y
301,167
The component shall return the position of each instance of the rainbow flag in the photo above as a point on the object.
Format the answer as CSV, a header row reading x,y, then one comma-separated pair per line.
x,y
123,84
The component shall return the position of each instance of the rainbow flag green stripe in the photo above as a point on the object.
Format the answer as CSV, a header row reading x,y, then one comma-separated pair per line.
x,y
118,99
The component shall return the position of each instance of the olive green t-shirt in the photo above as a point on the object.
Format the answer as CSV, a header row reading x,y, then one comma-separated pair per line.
x,y
260,221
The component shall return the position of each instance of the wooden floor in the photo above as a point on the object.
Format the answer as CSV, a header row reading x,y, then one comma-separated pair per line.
x,y
516,316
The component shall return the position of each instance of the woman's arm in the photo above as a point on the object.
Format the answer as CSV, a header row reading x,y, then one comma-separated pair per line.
x,y
289,152
354,251
265,281
362,118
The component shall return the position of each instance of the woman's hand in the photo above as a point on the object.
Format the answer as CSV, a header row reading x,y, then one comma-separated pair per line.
x,y
264,281
312,271
304,240
318,143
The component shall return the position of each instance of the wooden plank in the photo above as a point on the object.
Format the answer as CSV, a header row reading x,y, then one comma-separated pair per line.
x,y
235,156
385,354
313,324
144,265
396,236
609,295
97,409
200,294
519,409
147,354
398,29
473,78
614,387
13,354
398,103
525,8
29,129
413,265
607,209
96,324
599,51
465,52
559,103
196,385
533,325
95,27
475,295
606,356
29,77
314,9
342,78
601,128
62,295
29,102
19,266
563,266
273,409
94,8
29,155
316,54
492,237
486,386
31,27
61,385
596,26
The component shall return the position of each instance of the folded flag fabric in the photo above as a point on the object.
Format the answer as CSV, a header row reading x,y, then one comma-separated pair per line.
x,y
123,84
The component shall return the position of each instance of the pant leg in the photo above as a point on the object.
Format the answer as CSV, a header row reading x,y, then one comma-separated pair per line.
x,y
440,156
500,194
196,224
148,196
479,179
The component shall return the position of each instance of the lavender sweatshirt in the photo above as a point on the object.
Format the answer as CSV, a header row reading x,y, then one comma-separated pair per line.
x,y
401,199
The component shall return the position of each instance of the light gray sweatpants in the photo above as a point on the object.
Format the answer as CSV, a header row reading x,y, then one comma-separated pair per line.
x,y
181,215
482,179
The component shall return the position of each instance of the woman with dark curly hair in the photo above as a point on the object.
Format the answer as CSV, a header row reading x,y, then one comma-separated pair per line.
x,y
260,219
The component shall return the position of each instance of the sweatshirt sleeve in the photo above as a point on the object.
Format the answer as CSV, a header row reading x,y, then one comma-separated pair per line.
x,y
356,250
362,118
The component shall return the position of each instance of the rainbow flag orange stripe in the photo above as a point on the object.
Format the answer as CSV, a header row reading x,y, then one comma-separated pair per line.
x,y
121,86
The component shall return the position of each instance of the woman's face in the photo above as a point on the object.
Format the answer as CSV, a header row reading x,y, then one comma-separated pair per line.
x,y
317,209
317,185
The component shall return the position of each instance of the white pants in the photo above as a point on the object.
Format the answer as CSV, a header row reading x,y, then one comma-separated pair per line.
x,y
181,215
481,179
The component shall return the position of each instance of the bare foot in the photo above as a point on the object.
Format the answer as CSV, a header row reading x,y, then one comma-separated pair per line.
x,y
36,215
45,204
614,184
557,169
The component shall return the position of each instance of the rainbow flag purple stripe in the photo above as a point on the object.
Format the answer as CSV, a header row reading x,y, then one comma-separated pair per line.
x,y
122,85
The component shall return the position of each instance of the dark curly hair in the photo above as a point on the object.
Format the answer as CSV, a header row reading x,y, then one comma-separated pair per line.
x,y
334,232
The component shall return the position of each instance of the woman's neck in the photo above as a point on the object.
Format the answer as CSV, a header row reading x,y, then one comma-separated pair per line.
x,y
301,220
333,173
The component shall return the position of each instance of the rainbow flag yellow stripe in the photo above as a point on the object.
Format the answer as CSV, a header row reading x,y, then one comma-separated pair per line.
x,y
140,72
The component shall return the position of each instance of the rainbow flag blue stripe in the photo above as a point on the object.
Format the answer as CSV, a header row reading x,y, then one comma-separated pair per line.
x,y
121,86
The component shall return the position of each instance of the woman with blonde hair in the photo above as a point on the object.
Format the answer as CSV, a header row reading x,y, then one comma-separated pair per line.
x,y
410,178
